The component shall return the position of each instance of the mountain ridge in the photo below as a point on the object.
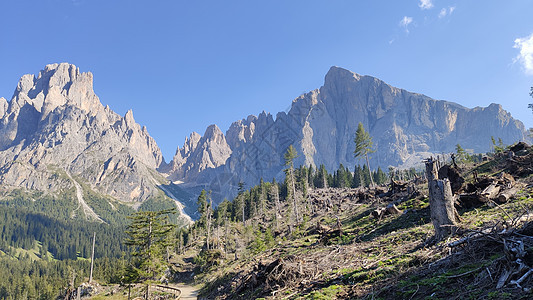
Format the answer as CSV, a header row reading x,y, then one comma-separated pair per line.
x,y
55,125
55,121
321,124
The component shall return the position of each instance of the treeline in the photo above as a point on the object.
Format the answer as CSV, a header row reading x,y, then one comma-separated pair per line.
x,y
26,279
63,239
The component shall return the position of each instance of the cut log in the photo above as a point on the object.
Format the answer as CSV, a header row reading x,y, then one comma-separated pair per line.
x,y
393,210
491,192
506,195
441,202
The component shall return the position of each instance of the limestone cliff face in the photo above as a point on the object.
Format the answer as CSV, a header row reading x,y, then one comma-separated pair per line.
x,y
406,127
55,123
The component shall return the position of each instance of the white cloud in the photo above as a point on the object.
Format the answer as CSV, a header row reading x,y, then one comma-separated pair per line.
x,y
443,13
405,23
446,12
425,4
525,57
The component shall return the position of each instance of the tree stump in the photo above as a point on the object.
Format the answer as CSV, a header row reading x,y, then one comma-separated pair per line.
x,y
441,202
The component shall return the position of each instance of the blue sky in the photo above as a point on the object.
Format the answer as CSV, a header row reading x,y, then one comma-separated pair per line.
x,y
183,65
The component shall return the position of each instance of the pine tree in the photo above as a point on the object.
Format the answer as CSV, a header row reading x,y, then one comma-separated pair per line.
x,y
148,234
366,176
363,146
274,196
310,177
238,204
262,198
289,156
358,179
321,179
461,153
379,176
202,208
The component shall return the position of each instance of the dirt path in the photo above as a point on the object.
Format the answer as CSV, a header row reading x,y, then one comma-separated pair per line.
x,y
188,292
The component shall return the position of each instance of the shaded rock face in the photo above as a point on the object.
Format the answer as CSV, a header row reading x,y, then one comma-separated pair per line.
x,y
55,123
406,127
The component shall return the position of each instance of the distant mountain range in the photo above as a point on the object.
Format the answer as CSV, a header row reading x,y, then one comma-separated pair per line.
x,y
56,135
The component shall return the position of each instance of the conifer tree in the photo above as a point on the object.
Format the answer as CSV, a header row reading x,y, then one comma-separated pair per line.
x,y
289,156
202,208
358,179
380,176
261,199
461,153
363,146
274,196
148,234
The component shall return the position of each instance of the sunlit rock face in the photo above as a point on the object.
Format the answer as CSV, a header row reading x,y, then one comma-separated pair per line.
x,y
54,123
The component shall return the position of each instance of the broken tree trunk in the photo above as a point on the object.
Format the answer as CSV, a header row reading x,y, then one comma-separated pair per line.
x,y
441,201
491,192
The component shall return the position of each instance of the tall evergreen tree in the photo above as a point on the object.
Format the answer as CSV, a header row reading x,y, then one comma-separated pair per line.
x,y
363,146
380,176
289,156
358,179
274,196
367,177
238,204
202,208
461,153
148,234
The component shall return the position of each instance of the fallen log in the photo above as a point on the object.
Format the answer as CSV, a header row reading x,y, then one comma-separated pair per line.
x,y
393,210
506,179
506,195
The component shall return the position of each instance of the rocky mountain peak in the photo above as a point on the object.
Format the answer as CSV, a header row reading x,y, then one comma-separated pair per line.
x,y
337,74
56,85
128,118
56,122
213,133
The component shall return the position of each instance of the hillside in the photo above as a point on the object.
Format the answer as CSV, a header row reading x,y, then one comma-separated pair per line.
x,y
347,247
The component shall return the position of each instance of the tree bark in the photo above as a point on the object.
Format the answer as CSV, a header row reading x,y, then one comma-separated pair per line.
x,y
441,202
369,172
